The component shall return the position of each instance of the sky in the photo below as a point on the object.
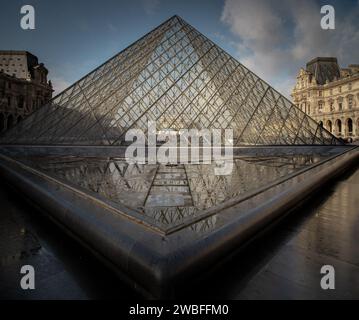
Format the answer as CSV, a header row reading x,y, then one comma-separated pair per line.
x,y
273,38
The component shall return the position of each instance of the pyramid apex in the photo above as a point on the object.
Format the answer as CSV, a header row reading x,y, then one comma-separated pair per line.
x,y
176,16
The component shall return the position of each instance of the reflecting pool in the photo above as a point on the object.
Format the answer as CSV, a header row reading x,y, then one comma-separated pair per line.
x,y
170,193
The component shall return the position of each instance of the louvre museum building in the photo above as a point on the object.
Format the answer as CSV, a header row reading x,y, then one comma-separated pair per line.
x,y
161,226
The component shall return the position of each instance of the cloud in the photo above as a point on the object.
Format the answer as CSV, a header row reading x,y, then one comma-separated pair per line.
x,y
275,38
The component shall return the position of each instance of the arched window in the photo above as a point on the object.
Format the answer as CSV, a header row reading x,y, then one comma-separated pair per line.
x,y
329,126
321,123
10,121
20,101
349,127
338,125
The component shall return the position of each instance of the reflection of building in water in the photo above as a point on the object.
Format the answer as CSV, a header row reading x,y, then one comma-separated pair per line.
x,y
330,95
23,86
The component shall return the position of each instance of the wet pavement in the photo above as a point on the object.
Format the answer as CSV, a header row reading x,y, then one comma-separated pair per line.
x,y
285,263
63,269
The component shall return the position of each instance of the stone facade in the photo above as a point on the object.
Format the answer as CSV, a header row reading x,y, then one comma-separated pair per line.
x,y
23,86
330,95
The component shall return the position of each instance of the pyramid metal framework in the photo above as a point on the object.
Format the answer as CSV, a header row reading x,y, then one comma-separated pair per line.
x,y
177,77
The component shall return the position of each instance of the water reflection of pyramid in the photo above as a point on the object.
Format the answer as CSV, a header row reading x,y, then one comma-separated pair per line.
x,y
179,78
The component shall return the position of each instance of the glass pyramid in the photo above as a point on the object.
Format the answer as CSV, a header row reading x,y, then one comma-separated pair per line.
x,y
177,77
